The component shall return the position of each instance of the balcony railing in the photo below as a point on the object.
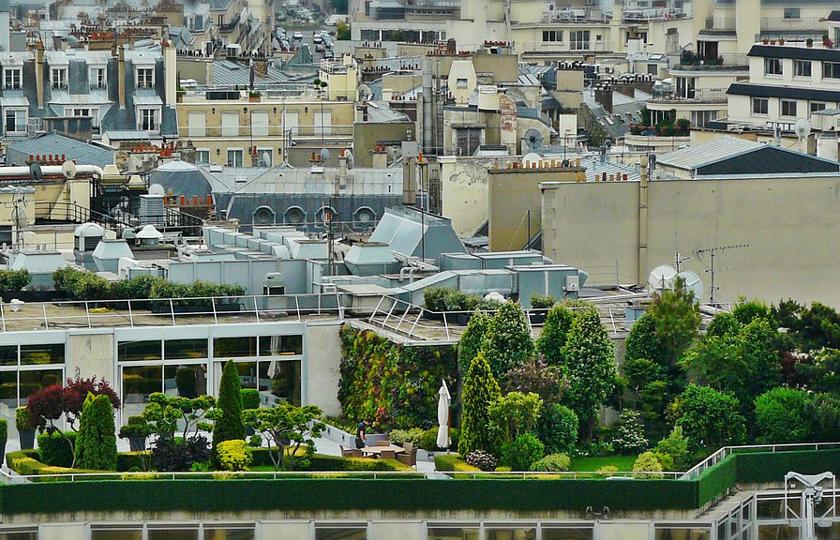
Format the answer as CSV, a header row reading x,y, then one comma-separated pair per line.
x,y
256,132
690,60
694,95
804,23
721,24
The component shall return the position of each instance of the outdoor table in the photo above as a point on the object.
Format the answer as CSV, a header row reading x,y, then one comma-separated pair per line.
x,y
377,450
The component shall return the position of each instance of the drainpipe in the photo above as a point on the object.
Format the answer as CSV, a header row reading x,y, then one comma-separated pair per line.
x,y
39,74
643,220
121,75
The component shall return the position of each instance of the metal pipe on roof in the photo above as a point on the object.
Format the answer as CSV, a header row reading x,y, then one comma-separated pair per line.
x,y
50,170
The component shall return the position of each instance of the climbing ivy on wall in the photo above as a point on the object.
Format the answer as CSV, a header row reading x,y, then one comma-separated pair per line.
x,y
393,385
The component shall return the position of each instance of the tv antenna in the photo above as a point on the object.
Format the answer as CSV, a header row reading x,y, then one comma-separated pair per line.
x,y
18,206
713,252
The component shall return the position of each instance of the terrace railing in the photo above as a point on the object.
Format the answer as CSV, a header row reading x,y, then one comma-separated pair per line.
x,y
727,451
167,311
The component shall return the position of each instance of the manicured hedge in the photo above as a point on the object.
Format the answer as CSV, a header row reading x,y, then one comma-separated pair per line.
x,y
717,480
452,462
772,466
321,462
343,494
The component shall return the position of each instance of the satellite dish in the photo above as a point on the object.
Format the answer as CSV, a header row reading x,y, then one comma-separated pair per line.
x,y
325,154
692,283
69,169
35,171
661,278
533,139
531,158
802,128
266,159
351,161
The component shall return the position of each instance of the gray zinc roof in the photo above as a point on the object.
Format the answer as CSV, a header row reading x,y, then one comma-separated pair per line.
x,y
84,153
699,154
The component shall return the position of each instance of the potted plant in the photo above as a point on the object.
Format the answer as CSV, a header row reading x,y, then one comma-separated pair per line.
x,y
137,430
26,432
254,96
809,42
765,41
4,435
781,41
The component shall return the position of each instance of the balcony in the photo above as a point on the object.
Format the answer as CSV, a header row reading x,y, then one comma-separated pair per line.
x,y
720,24
229,27
691,61
693,95
804,23
332,131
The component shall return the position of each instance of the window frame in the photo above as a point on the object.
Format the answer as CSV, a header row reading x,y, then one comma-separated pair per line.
x,y
232,163
771,62
144,77
16,73
835,70
94,77
58,82
766,107
788,102
802,63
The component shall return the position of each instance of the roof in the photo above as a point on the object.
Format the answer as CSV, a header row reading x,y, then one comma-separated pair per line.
x,y
834,16
803,53
691,157
14,101
147,97
762,90
733,156
83,153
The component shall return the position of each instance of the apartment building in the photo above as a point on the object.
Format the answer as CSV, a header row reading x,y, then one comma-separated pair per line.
x,y
787,82
90,92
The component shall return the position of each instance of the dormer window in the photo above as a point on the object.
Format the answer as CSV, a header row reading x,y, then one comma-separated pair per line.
x,y
98,78
145,78
58,78
11,78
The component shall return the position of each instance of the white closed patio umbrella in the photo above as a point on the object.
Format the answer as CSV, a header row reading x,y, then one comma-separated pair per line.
x,y
444,399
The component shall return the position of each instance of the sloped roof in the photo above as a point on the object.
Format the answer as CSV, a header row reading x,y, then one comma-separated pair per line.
x,y
695,155
52,143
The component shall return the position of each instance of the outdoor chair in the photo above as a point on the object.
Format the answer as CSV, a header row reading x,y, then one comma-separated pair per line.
x,y
409,457
347,452
383,442
355,452
389,454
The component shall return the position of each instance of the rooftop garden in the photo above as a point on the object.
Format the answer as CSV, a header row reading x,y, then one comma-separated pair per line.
x,y
666,127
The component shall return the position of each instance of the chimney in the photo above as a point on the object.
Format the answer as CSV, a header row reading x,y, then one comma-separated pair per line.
x,y
170,72
380,157
604,96
342,170
121,75
39,73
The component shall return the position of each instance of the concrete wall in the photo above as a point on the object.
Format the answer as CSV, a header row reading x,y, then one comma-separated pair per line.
x,y
513,193
464,190
92,353
366,135
788,223
321,370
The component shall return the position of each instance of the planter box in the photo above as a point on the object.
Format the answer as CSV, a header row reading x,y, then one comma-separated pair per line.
x,y
27,439
461,319
537,318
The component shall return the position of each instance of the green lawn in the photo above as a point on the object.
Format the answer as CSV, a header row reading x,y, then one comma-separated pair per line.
x,y
592,464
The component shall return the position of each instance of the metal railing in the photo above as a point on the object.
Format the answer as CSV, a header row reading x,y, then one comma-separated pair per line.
x,y
167,311
726,451
417,322
721,61
693,95
262,132
802,23
725,24
75,213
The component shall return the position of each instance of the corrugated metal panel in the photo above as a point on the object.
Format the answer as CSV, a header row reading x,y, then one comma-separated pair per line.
x,y
699,154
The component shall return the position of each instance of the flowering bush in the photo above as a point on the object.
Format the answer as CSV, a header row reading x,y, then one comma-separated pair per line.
x,y
630,438
233,455
483,460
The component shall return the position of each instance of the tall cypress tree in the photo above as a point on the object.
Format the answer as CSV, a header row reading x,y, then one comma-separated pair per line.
x,y
480,391
96,444
507,340
558,321
229,425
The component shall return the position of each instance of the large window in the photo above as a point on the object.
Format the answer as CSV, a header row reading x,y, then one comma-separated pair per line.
x,y
234,157
58,78
274,366
788,107
147,119
15,121
579,40
817,106
453,533
552,35
792,13
831,70
11,78
139,351
202,156
98,78
185,349
25,369
801,68
145,77
170,532
510,533
341,533
682,533
759,105
772,66
566,533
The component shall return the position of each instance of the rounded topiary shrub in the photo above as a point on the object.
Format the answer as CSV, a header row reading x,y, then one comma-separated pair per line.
x,y
552,463
56,448
234,455
521,452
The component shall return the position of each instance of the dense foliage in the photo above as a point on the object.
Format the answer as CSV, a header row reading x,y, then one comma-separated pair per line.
x,y
480,392
392,385
550,344
472,339
13,280
234,455
709,418
482,460
83,285
535,376
520,453
288,430
629,438
507,342
56,448
514,414
784,415
648,465
558,428
96,445
229,418
552,463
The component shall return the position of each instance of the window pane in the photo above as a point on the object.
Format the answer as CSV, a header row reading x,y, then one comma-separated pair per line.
x,y
340,534
281,379
510,534
234,347
453,533
138,383
185,381
8,355
228,534
247,374
32,381
777,532
566,534
33,535
280,345
50,353
127,534
138,351
683,534
184,349
8,388
173,534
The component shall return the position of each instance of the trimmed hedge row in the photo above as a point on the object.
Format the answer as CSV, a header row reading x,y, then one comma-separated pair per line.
x,y
453,462
341,494
401,494
322,462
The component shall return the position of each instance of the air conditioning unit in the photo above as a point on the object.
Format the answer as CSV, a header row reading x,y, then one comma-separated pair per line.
x,y
274,284
572,284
